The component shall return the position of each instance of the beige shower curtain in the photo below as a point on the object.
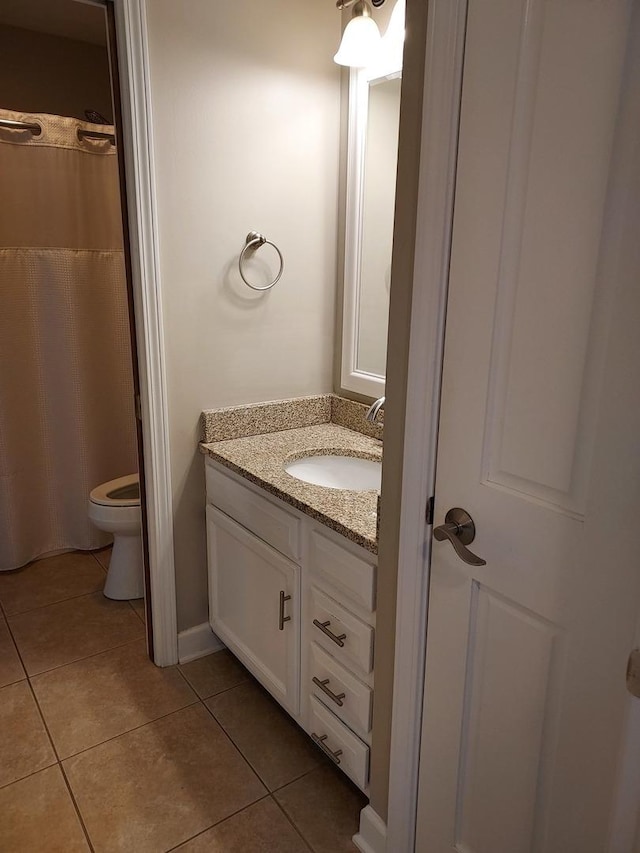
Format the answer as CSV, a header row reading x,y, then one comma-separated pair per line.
x,y
66,391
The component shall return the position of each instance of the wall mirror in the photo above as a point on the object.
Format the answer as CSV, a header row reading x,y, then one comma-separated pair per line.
x,y
374,115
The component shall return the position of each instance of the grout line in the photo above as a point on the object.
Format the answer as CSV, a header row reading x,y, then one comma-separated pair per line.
x,y
226,690
60,601
236,747
293,824
255,770
248,760
54,763
95,557
18,652
87,657
77,808
213,695
128,731
129,601
84,657
15,646
217,823
318,766
61,768
57,762
53,603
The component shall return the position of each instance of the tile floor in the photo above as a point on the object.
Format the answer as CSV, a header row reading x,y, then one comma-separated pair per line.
x,y
101,750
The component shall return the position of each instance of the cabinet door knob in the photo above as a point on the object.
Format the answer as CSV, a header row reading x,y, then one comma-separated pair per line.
x,y
281,617
324,627
320,740
324,686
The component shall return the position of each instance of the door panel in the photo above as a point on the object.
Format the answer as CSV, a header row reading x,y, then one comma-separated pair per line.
x,y
543,249
538,439
511,654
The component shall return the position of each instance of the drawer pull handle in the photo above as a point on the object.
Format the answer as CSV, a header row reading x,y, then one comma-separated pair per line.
x,y
337,697
281,617
320,740
324,627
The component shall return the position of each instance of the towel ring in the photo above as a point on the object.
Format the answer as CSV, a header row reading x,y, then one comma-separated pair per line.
x,y
254,241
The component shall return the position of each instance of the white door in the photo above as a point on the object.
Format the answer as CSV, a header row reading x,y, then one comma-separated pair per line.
x,y
539,436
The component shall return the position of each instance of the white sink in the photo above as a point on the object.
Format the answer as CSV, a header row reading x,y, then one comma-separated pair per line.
x,y
337,472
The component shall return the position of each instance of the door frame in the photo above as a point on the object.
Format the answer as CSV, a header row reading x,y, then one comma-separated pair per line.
x,y
137,133
444,54
444,60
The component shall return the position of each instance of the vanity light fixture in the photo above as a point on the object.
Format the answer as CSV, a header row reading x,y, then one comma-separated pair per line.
x,y
390,54
361,39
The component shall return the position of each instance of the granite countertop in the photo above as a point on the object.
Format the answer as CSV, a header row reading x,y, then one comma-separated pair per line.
x,y
261,459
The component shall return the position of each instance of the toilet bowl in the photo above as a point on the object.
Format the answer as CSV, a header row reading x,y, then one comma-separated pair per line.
x,y
115,508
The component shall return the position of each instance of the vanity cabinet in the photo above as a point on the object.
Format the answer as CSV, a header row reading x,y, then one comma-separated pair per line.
x,y
294,601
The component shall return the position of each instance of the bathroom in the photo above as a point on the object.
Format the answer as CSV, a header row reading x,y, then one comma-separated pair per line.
x,y
236,121
276,163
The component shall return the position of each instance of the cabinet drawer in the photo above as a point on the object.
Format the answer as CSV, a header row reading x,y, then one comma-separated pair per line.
x,y
352,576
339,690
334,738
259,515
347,638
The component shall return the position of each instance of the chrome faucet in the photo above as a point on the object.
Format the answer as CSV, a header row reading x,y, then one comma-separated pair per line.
x,y
374,409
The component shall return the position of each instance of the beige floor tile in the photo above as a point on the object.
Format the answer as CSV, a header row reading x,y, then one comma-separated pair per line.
x,y
275,746
10,667
24,744
325,808
156,787
103,556
262,828
48,581
92,700
38,816
214,673
72,630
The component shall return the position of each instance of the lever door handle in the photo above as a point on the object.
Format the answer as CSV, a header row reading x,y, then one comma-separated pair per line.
x,y
460,530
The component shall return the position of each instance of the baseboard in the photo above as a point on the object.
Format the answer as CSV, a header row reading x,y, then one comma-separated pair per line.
x,y
197,642
372,837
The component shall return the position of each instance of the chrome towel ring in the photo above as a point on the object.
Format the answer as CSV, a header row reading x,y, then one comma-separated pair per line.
x,y
254,241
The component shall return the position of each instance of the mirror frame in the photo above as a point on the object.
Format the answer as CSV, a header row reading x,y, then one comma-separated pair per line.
x,y
351,378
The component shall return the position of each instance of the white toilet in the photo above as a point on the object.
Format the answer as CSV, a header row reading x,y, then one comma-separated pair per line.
x,y
115,507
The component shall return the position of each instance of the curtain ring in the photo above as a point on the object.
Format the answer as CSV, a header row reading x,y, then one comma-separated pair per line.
x,y
254,241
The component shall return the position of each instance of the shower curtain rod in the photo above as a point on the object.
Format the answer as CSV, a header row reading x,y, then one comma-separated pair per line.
x,y
36,130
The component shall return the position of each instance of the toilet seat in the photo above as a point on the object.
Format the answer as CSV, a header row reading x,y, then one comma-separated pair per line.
x,y
124,491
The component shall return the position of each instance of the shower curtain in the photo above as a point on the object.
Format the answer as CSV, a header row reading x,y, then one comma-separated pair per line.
x,y
66,389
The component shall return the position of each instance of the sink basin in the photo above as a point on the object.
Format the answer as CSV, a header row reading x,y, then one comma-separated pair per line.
x,y
337,472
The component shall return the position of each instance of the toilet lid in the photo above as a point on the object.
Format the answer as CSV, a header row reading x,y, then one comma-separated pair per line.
x,y
125,491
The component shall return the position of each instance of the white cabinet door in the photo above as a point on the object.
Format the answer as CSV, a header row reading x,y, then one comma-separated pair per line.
x,y
254,602
540,422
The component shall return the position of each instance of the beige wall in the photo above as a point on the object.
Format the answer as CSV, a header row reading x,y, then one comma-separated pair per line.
x,y
246,112
49,74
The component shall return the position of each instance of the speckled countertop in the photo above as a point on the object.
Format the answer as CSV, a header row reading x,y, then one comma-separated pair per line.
x,y
261,459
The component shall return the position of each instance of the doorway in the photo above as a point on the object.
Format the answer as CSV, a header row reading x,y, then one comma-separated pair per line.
x,y
71,369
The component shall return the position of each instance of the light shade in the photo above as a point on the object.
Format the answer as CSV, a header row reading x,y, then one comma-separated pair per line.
x,y
393,41
389,56
360,42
